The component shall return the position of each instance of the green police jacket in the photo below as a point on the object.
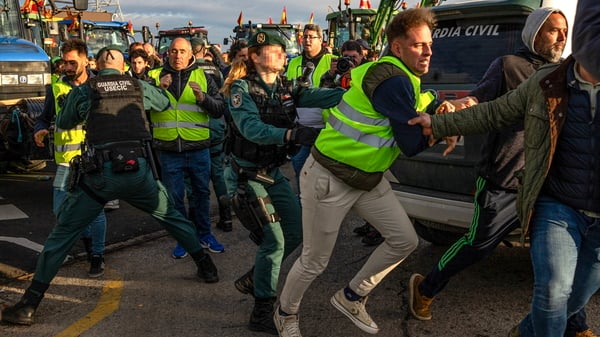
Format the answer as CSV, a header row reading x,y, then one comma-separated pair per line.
x,y
246,115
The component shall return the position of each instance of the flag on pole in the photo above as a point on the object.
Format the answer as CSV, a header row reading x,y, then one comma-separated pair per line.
x,y
311,18
130,27
240,19
74,26
283,16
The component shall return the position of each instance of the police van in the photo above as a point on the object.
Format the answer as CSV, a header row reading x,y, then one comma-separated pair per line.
x,y
438,192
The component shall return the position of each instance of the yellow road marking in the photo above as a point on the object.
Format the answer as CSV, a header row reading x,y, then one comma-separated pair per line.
x,y
107,304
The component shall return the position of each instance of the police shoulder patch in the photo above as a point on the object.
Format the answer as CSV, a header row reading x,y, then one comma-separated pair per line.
x,y
236,100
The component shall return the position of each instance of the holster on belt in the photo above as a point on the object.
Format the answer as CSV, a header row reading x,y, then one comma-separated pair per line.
x,y
259,175
124,159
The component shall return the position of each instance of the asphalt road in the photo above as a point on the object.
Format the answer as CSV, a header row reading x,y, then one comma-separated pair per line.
x,y
147,293
26,219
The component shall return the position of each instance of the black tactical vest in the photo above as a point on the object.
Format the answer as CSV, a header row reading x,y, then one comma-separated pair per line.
x,y
279,111
117,112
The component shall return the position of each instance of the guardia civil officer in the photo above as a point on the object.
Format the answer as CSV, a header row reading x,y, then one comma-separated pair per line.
x,y
67,144
115,165
264,132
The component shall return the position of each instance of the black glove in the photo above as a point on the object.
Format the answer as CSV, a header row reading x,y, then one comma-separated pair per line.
x,y
304,135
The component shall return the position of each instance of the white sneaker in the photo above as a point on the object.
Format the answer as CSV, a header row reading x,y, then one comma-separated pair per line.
x,y
287,326
355,310
112,204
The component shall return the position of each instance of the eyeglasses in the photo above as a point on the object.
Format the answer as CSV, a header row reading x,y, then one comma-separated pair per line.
x,y
309,37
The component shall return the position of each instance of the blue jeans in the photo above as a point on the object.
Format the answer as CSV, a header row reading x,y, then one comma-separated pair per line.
x,y
565,253
96,229
196,165
217,167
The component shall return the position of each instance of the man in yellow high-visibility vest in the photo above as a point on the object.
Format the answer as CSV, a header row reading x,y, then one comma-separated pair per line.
x,y
362,137
181,135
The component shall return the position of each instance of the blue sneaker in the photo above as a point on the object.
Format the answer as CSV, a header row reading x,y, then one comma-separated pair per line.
x,y
209,241
179,252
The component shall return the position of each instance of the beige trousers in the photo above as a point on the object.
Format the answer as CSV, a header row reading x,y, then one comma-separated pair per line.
x,y
325,202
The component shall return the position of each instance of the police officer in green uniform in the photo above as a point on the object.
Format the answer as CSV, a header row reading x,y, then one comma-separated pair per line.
x,y
264,132
116,164
67,144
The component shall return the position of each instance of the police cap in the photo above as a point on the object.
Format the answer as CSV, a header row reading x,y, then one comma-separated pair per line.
x,y
109,48
198,41
262,38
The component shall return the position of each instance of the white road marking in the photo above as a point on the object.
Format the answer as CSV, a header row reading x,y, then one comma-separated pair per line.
x,y
11,212
23,242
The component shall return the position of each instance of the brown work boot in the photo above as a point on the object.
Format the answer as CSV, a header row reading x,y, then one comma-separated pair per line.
x,y
586,333
419,304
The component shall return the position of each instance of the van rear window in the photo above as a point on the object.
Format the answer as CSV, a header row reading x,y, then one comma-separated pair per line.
x,y
463,49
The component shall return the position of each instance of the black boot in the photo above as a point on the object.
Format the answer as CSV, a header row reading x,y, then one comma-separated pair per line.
x,y
96,266
87,244
206,268
245,284
22,312
225,223
261,318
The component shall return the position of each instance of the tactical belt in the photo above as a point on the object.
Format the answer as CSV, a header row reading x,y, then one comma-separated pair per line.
x,y
258,174
108,155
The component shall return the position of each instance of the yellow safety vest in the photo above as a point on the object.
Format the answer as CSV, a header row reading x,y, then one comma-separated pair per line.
x,y
356,134
185,119
67,143
294,68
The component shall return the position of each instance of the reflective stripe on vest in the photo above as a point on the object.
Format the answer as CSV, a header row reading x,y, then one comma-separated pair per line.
x,y
373,140
67,143
355,133
186,119
294,69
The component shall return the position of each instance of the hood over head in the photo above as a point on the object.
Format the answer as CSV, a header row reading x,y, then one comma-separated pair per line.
x,y
534,23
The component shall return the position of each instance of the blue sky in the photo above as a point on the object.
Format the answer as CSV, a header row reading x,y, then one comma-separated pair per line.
x,y
220,16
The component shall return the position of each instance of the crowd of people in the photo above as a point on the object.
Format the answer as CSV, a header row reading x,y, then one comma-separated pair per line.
x,y
155,132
